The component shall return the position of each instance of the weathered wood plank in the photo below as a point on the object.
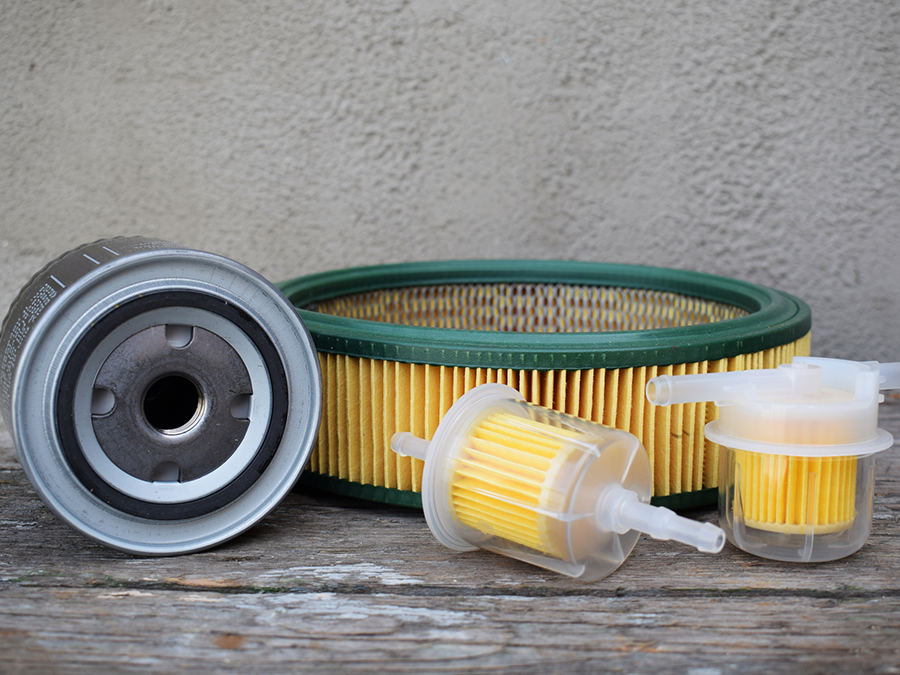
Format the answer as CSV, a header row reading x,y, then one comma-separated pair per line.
x,y
332,585
334,632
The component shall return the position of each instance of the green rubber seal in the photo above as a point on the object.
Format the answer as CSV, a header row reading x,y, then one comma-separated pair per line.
x,y
773,318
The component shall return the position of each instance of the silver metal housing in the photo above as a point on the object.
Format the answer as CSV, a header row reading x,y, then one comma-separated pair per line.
x,y
85,325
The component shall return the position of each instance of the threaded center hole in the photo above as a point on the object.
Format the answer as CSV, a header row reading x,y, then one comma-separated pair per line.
x,y
172,404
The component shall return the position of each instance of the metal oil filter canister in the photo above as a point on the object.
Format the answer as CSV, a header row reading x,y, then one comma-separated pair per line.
x,y
162,400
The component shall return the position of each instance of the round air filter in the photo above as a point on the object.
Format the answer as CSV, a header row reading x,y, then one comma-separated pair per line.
x,y
399,344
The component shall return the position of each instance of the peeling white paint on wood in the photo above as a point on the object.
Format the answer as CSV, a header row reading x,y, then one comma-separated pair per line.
x,y
345,574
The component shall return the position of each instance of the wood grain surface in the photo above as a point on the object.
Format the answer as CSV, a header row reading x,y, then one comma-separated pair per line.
x,y
331,585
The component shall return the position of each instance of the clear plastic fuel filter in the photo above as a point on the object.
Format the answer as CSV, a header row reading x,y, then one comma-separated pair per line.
x,y
540,486
798,442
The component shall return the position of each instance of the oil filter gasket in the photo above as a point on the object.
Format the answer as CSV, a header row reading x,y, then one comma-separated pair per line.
x,y
162,400
399,343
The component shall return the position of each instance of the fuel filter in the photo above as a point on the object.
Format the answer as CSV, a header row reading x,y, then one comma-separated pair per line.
x,y
547,488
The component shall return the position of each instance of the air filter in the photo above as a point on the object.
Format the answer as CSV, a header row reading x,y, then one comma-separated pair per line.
x,y
399,344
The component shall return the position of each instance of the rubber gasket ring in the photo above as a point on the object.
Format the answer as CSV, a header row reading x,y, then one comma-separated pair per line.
x,y
65,420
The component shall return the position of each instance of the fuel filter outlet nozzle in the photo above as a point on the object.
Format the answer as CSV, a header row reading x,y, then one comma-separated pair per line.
x,y
540,486
796,471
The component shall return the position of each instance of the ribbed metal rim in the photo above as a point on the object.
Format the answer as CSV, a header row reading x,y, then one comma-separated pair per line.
x,y
774,318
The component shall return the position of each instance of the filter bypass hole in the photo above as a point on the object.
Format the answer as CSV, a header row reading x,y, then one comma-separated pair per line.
x,y
167,472
103,401
172,404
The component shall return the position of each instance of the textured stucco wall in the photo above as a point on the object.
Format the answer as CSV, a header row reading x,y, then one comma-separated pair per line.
x,y
759,140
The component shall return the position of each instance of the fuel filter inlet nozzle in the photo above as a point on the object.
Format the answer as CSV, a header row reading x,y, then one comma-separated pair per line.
x,y
798,442
540,486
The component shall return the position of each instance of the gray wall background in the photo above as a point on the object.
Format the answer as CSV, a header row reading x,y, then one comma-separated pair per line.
x,y
758,140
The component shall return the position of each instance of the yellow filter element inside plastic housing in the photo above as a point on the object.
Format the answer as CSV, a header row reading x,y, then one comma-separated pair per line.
x,y
796,474
781,493
543,487
796,509
509,475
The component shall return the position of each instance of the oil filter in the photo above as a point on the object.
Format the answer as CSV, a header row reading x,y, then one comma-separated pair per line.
x,y
162,400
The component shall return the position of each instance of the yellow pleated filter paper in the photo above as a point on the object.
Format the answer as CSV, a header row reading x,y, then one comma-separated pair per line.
x,y
506,478
367,400
781,493
399,344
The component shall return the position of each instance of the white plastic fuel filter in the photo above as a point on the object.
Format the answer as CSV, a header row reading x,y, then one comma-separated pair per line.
x,y
540,486
796,473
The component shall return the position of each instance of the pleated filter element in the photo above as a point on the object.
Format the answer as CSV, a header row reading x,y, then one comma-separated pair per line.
x,y
398,344
367,400
507,478
529,308
782,493
540,486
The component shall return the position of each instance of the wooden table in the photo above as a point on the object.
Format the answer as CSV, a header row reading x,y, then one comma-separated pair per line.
x,y
331,585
